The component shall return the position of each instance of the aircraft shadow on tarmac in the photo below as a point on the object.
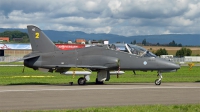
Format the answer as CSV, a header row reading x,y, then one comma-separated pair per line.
x,y
30,83
39,83
69,84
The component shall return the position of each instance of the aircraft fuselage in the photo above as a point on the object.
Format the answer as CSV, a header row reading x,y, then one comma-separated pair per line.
x,y
99,58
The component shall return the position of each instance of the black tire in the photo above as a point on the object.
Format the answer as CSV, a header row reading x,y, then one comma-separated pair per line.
x,y
157,82
98,82
81,81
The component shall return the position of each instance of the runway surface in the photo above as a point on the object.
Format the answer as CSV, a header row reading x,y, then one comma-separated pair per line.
x,y
40,97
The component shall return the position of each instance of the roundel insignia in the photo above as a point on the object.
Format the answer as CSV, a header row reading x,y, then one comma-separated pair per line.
x,y
33,29
145,63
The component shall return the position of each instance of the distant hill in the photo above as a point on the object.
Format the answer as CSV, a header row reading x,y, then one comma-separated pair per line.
x,y
184,39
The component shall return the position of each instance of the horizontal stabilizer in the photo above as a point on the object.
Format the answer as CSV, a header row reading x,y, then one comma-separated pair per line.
x,y
24,58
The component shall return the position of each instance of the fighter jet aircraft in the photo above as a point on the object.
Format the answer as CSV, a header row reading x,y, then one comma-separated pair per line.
x,y
46,56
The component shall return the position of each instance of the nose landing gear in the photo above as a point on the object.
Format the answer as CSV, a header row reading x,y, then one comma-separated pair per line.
x,y
158,81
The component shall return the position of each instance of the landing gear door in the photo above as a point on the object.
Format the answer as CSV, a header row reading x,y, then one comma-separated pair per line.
x,y
102,75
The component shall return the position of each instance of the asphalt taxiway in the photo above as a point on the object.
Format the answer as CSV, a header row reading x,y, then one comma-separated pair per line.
x,y
44,97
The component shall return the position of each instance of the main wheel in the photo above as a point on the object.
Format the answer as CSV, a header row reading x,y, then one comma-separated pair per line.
x,y
98,82
81,81
157,82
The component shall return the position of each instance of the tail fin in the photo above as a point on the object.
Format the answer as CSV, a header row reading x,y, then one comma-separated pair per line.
x,y
39,41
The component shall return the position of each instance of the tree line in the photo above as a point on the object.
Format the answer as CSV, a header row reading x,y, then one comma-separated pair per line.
x,y
180,53
146,43
21,36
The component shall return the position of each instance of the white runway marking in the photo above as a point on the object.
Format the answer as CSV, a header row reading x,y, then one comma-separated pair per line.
x,y
77,89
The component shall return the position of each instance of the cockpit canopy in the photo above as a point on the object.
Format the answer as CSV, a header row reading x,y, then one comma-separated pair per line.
x,y
132,49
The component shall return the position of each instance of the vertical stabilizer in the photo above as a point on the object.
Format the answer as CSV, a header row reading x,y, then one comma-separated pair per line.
x,y
39,41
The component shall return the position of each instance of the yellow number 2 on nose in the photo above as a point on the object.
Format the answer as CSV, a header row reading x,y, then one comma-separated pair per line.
x,y
37,35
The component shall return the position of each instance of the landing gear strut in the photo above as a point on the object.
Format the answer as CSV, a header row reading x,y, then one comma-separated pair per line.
x,y
158,81
102,75
81,81
98,82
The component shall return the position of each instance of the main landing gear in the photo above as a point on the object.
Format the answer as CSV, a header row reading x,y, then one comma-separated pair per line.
x,y
158,81
98,82
81,81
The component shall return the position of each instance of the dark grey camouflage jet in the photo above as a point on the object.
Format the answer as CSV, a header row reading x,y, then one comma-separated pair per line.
x,y
103,59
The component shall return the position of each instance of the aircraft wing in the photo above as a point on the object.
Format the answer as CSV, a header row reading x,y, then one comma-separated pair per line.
x,y
77,66
90,62
64,68
108,63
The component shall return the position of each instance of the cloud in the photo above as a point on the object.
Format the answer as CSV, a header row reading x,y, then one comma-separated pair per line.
x,y
103,29
122,17
193,11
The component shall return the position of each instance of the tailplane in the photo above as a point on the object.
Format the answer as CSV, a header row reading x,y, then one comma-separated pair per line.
x,y
39,41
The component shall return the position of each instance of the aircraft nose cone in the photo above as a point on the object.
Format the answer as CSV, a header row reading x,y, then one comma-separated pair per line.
x,y
168,65
174,66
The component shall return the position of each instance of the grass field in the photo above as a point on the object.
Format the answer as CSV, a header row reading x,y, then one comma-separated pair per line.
x,y
139,108
14,76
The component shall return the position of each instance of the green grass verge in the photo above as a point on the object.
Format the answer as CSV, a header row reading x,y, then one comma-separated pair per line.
x,y
136,108
14,76
13,63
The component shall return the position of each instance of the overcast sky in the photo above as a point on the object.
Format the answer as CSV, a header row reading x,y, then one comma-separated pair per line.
x,y
122,17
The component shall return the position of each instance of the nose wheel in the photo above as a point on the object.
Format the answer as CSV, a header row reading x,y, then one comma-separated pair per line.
x,y
158,81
